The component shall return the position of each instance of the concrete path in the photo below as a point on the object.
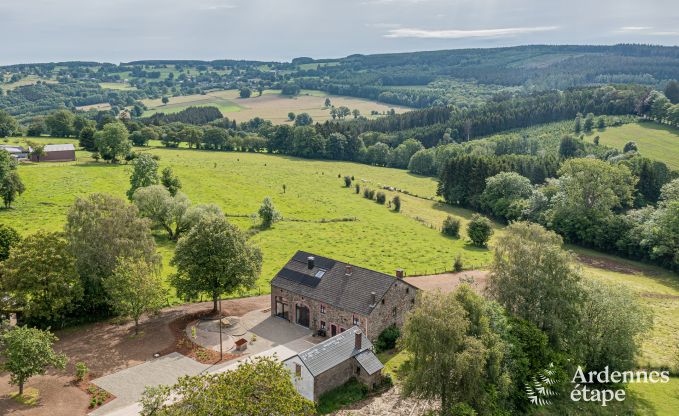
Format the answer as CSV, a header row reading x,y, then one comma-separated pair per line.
x,y
275,336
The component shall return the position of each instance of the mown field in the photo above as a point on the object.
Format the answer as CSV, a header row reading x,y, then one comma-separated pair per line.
x,y
654,140
270,106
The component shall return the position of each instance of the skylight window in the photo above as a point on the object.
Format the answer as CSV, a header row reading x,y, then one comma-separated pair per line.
x,y
320,273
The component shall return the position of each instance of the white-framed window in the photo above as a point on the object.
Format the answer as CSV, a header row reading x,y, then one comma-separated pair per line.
x,y
322,308
298,370
357,321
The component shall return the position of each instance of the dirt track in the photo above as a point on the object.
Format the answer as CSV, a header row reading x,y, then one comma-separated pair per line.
x,y
107,348
447,282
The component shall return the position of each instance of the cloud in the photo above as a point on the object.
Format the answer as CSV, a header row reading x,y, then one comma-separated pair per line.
x,y
634,28
464,34
212,7
647,31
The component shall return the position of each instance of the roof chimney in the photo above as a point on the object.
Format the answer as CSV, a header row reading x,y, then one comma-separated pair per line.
x,y
399,273
373,298
348,270
357,339
310,262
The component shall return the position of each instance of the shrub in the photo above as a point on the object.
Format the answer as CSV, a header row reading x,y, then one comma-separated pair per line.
x,y
358,188
458,265
347,181
381,198
397,203
368,193
387,339
81,371
479,230
351,392
451,227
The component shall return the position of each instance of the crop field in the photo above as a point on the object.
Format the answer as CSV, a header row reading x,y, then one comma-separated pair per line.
x,y
654,141
270,106
120,86
324,217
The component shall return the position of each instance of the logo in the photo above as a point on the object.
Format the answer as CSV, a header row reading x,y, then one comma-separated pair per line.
x,y
540,391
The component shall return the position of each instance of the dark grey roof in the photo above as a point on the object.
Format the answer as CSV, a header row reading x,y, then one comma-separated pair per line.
x,y
351,293
335,351
369,361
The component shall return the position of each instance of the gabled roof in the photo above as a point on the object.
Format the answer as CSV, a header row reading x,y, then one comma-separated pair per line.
x,y
338,349
58,147
329,283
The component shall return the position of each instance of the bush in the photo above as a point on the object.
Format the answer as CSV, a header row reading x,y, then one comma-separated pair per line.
x,y
333,400
479,230
358,188
381,198
368,193
458,265
451,227
397,203
347,181
387,339
81,371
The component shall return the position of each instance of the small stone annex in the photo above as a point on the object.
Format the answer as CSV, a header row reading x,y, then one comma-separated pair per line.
x,y
333,362
329,296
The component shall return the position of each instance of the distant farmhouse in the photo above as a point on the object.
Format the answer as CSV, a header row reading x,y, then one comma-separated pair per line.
x,y
333,362
329,297
56,153
17,152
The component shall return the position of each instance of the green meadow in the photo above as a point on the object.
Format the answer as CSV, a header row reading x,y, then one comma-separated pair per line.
x,y
654,140
323,217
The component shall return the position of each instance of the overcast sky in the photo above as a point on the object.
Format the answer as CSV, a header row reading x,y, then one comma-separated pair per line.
x,y
125,30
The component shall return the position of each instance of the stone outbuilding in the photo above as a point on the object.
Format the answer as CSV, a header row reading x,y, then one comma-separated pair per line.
x,y
333,362
329,296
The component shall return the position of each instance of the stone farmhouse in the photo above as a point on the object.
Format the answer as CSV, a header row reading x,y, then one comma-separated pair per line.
x,y
329,296
333,362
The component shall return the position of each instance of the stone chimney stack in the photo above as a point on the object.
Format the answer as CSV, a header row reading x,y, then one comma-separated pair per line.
x,y
357,339
310,262
373,298
399,273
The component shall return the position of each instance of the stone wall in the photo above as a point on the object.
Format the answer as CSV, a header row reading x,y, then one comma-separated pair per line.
x,y
392,309
334,377
342,320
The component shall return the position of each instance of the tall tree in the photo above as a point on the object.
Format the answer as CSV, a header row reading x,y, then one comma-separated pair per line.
x,y
535,279
454,354
258,386
135,288
11,187
169,212
60,123
8,124
214,257
100,230
113,142
144,173
40,272
672,91
28,352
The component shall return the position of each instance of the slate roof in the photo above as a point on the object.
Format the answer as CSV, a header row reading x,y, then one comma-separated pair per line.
x,y
338,349
369,361
58,147
335,288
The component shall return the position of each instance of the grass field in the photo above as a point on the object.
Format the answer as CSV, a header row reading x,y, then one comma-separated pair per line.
x,y
120,86
238,182
654,140
379,238
270,106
